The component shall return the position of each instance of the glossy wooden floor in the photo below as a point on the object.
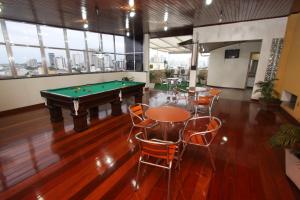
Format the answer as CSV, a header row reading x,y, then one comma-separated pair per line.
x,y
40,160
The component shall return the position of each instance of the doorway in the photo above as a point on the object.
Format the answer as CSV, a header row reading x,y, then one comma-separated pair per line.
x,y
253,63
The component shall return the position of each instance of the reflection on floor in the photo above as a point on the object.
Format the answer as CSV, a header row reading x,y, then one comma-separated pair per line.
x,y
41,160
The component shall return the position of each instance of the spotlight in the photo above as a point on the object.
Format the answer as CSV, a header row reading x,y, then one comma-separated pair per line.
x,y
166,16
127,34
165,28
131,3
85,25
208,2
132,13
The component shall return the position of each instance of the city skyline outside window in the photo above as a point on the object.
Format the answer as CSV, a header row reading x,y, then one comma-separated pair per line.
x,y
53,37
4,63
22,33
23,39
57,61
77,62
27,60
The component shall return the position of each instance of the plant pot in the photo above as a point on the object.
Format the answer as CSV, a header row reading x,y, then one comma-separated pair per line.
x,y
270,105
292,167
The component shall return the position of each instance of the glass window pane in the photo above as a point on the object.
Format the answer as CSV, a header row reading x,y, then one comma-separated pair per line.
x,y
109,62
120,44
57,61
27,61
22,33
96,62
1,35
108,43
75,39
4,64
120,62
53,37
93,41
77,61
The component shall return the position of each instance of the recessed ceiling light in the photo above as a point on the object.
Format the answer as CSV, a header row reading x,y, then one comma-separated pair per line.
x,y
132,13
131,3
127,23
85,25
127,34
165,28
208,2
166,16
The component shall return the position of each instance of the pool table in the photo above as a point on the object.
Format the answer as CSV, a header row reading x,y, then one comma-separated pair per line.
x,y
80,99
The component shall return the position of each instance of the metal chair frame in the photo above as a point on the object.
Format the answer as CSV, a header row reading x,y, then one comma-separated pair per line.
x,y
213,99
141,118
201,133
168,165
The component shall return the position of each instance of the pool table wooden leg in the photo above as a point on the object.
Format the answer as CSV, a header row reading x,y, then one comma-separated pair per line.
x,y
116,108
138,98
94,112
80,120
55,113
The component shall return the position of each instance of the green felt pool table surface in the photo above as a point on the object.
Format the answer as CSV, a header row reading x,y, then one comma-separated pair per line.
x,y
84,90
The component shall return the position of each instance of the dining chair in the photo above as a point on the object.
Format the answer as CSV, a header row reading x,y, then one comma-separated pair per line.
x,y
201,131
138,119
180,94
206,102
157,153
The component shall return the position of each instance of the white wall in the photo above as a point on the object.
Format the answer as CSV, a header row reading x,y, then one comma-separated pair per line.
x,y
231,73
264,30
17,93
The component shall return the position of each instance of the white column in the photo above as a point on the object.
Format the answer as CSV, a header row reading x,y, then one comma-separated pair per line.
x,y
146,46
194,62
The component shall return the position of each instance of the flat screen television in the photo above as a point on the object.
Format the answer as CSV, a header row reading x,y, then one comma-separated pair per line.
x,y
232,53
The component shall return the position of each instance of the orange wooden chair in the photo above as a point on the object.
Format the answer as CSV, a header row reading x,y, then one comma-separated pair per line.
x,y
138,119
157,153
207,101
201,131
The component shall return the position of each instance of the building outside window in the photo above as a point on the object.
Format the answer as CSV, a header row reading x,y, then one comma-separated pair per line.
x,y
40,50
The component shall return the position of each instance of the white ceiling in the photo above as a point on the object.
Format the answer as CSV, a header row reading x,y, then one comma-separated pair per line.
x,y
170,44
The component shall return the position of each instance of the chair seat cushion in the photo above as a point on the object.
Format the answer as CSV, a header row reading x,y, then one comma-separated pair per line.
x,y
202,101
146,123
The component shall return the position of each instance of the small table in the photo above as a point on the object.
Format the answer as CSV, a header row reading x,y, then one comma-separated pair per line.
x,y
167,114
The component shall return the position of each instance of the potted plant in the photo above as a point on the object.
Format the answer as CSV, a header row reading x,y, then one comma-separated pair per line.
x,y
168,73
125,78
201,78
288,137
269,98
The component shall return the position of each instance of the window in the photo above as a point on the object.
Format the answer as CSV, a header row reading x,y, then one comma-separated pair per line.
x,y
77,61
4,64
93,41
108,43
96,62
57,61
22,33
109,62
75,39
1,35
120,63
27,61
120,44
53,37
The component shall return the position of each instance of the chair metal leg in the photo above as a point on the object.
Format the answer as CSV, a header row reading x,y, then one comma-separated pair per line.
x,y
130,133
169,180
137,174
211,158
146,134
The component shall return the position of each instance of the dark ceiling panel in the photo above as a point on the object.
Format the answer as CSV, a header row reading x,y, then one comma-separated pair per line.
x,y
150,13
